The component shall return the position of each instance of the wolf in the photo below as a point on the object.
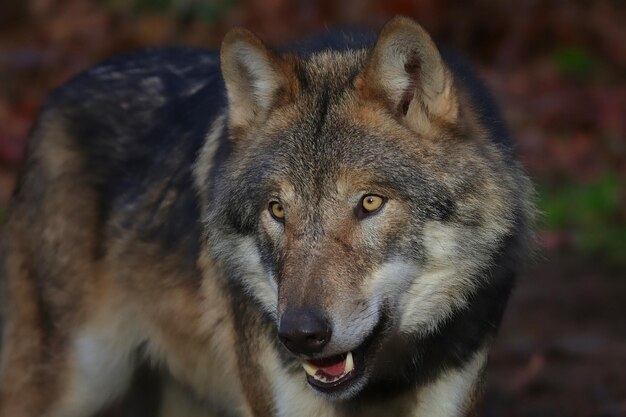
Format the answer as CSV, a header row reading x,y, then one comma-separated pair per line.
x,y
329,229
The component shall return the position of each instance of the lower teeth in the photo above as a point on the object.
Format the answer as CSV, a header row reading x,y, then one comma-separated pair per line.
x,y
322,378
319,375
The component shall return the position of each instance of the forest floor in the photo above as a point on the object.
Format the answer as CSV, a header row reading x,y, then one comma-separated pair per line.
x,y
561,350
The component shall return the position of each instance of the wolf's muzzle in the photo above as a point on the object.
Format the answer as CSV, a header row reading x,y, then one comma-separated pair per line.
x,y
304,331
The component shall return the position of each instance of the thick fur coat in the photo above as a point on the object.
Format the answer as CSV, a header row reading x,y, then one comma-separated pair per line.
x,y
329,230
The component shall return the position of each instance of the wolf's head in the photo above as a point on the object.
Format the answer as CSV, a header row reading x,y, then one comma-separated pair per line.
x,y
363,199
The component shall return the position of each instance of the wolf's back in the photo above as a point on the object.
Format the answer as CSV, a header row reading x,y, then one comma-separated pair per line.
x,y
201,214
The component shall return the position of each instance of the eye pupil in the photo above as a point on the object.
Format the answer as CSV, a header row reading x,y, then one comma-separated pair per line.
x,y
372,203
277,211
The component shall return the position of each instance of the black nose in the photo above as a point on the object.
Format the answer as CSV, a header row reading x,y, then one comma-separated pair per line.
x,y
303,331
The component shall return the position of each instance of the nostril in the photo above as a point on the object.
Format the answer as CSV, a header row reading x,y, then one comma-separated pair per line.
x,y
304,331
315,339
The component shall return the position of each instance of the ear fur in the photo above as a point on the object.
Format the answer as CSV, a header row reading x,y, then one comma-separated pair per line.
x,y
405,69
255,78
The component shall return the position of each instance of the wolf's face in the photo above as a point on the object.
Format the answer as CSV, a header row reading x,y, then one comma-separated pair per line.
x,y
364,199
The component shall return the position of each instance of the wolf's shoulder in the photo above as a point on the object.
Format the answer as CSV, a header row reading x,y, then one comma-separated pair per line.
x,y
138,122
133,110
168,72
129,92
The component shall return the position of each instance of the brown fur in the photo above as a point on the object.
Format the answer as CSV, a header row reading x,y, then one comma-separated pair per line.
x,y
93,291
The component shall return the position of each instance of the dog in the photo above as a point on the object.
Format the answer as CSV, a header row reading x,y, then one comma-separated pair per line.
x,y
331,229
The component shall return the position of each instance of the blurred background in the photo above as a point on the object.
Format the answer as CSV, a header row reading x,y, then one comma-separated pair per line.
x,y
558,69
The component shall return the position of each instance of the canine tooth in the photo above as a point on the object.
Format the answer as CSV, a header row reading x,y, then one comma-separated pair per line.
x,y
320,378
349,363
309,369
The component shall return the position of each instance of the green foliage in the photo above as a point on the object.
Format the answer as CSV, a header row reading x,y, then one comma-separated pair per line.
x,y
575,61
592,212
212,12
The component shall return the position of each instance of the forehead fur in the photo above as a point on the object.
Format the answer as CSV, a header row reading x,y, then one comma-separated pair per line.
x,y
328,69
328,131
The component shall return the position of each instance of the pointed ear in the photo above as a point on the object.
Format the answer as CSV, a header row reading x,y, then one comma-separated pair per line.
x,y
406,71
256,78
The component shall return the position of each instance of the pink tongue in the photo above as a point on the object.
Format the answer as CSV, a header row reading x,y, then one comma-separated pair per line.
x,y
333,366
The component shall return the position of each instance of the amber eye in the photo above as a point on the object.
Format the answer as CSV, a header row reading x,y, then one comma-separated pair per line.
x,y
277,211
371,203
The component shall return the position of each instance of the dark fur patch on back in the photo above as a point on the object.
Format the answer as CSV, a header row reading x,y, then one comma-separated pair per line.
x,y
142,165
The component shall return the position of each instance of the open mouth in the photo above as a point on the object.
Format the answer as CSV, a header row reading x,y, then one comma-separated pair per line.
x,y
331,372
341,376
